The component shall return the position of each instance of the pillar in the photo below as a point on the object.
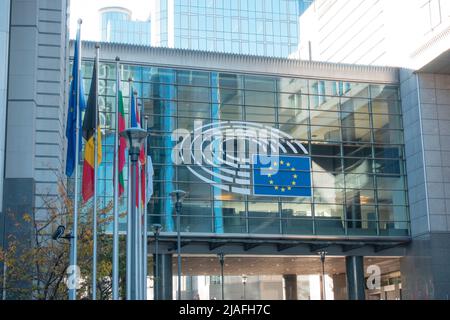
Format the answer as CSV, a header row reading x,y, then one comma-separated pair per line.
x,y
355,277
290,286
163,287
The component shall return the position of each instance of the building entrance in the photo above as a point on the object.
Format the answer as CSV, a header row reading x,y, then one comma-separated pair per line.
x,y
265,277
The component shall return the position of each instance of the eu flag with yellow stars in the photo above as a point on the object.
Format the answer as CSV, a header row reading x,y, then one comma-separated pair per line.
x,y
288,176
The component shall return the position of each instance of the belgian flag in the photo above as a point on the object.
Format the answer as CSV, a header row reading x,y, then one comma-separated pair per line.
x,y
90,122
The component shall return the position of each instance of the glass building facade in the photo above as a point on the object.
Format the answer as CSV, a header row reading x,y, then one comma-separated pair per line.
x,y
117,26
263,27
351,131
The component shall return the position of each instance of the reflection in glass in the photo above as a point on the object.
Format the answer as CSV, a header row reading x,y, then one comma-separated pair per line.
x,y
263,217
354,137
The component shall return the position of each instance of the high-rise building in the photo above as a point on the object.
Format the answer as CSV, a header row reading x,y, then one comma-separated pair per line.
x,y
4,39
402,33
413,35
32,112
303,5
263,27
117,26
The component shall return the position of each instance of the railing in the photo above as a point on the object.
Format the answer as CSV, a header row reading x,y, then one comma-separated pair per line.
x,y
272,224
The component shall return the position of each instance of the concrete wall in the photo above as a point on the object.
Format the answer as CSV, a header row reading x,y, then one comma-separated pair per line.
x,y
35,104
426,113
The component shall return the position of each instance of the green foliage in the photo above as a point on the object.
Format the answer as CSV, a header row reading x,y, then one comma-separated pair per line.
x,y
36,266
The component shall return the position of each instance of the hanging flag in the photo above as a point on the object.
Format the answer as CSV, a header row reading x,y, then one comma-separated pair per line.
x,y
72,111
136,123
150,172
89,124
122,145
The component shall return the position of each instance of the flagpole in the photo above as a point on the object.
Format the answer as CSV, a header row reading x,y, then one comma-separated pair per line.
x,y
74,242
145,249
137,234
115,266
139,229
129,220
94,225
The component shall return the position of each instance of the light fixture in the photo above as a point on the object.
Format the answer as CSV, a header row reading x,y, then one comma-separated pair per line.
x,y
134,137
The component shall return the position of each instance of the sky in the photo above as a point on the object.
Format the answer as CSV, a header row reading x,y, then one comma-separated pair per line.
x,y
87,10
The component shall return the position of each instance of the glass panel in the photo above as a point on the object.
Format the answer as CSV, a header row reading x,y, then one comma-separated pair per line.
x,y
325,150
357,165
193,109
299,116
328,210
383,92
233,214
328,219
391,182
382,106
258,98
193,93
296,209
393,220
359,181
193,78
228,80
230,96
293,85
391,197
321,118
350,119
388,136
385,121
296,131
356,134
326,164
358,151
355,105
196,216
259,83
388,166
260,114
331,195
331,134
263,217
229,112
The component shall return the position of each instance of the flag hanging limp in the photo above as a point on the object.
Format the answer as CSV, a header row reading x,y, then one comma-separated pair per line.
x,y
89,125
72,110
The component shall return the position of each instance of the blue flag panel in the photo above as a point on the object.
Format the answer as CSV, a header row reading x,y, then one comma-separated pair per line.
x,y
288,176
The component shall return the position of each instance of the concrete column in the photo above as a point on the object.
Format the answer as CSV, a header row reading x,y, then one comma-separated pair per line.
x,y
290,286
339,286
355,277
163,287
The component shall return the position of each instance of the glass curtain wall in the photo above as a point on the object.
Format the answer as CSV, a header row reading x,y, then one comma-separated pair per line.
x,y
352,132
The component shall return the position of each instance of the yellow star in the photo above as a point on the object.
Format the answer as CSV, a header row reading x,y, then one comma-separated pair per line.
x,y
269,175
281,162
274,164
295,176
289,188
292,169
282,189
276,187
288,164
271,181
293,183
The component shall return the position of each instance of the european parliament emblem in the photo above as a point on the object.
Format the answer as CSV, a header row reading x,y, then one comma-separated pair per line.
x,y
288,176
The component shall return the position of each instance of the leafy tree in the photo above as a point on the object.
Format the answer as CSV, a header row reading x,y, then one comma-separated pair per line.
x,y
35,267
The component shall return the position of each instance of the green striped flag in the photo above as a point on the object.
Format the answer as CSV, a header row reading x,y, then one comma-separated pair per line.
x,y
122,145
